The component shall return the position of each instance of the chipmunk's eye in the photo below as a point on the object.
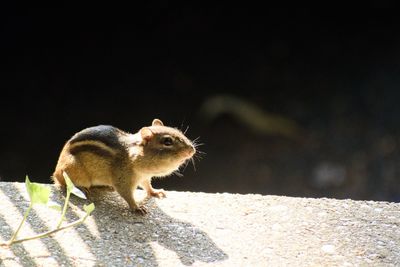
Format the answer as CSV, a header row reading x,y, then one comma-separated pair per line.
x,y
167,141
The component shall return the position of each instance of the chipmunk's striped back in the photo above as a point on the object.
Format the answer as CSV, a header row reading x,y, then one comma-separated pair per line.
x,y
103,140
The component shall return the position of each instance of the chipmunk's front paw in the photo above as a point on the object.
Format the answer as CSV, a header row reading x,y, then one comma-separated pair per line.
x,y
141,210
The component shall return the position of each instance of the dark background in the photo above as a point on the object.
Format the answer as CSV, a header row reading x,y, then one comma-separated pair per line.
x,y
334,74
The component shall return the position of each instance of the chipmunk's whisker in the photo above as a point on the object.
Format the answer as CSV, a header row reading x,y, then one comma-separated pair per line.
x,y
199,152
193,163
187,128
196,139
177,173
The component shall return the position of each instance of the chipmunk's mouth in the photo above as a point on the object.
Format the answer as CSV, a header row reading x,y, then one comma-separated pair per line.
x,y
183,160
186,155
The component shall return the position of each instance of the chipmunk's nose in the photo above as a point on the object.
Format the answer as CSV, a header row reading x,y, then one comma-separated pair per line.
x,y
190,151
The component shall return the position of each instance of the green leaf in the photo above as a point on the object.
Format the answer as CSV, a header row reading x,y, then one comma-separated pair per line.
x,y
38,193
71,188
77,192
68,182
53,205
89,208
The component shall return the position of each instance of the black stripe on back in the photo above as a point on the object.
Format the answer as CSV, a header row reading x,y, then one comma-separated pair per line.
x,y
106,134
92,149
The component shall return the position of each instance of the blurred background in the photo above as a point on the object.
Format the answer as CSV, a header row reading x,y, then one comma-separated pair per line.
x,y
289,102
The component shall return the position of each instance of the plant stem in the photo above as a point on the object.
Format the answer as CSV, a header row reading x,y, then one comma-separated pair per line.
x,y
64,209
50,232
14,236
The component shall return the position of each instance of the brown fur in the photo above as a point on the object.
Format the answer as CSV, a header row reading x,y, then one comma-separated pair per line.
x,y
107,156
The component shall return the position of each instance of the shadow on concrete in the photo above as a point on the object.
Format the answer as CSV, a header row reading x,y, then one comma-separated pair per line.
x,y
132,237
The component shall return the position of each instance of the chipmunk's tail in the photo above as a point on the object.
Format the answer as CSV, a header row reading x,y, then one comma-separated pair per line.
x,y
58,179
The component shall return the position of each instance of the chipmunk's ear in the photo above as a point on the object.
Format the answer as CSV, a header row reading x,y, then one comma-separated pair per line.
x,y
146,134
157,122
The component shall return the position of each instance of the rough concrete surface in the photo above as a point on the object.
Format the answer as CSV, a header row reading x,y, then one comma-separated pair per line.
x,y
202,229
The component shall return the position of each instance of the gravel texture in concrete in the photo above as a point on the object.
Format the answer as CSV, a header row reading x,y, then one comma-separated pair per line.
x,y
202,229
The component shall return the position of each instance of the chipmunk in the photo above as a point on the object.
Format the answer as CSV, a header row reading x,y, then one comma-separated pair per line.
x,y
107,156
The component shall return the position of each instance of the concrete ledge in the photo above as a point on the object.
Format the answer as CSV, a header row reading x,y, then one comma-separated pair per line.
x,y
206,229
